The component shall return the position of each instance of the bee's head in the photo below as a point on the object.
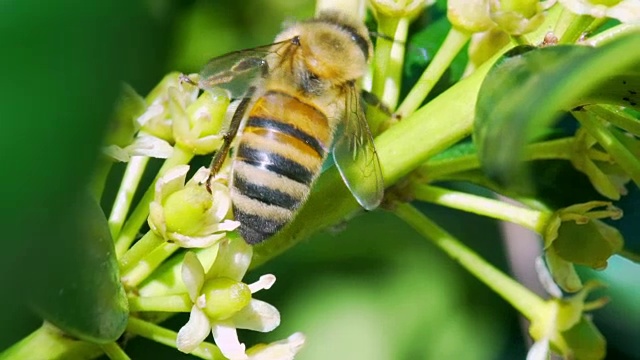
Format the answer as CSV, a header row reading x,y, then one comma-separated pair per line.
x,y
332,47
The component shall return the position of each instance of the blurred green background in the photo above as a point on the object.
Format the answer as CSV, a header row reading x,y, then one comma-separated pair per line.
x,y
371,289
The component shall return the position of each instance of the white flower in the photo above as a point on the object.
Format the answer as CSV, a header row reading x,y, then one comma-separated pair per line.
x,y
626,10
222,303
188,214
143,145
279,350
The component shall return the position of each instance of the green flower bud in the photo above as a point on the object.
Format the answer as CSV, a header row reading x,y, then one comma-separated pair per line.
x,y
224,297
400,9
471,16
517,17
590,244
186,210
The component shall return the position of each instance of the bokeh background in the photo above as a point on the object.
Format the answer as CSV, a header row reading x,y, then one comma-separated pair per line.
x,y
368,289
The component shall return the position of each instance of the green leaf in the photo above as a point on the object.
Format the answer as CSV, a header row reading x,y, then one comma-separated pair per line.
x,y
524,94
81,292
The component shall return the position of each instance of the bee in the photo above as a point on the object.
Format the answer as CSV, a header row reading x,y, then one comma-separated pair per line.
x,y
300,102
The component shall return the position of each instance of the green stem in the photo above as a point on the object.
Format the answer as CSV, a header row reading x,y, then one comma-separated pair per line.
x,y
47,342
617,116
149,242
114,351
139,215
128,186
520,40
382,56
451,46
168,303
167,337
521,298
622,156
612,34
100,174
531,219
576,28
437,169
148,264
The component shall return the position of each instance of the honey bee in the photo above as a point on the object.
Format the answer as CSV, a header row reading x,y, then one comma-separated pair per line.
x,y
299,103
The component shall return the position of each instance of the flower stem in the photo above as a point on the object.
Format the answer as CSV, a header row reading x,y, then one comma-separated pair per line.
x,y
612,34
617,117
167,337
149,242
168,303
114,351
438,169
577,27
139,215
48,342
451,46
521,298
128,186
148,264
618,151
531,219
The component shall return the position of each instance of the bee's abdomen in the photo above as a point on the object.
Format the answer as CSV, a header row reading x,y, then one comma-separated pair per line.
x,y
280,154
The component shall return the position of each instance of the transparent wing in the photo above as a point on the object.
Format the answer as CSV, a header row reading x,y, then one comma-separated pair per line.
x,y
355,155
239,70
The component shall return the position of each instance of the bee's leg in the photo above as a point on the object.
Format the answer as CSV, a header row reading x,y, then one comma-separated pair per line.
x,y
372,100
227,138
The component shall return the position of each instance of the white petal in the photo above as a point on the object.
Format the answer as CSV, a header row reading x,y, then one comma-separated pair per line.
x,y
546,280
170,182
194,331
280,350
265,283
257,316
151,146
226,225
200,176
196,241
192,275
539,350
233,260
226,338
156,219
117,153
152,111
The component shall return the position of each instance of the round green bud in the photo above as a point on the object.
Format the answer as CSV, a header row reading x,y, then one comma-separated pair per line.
x,y
185,211
224,297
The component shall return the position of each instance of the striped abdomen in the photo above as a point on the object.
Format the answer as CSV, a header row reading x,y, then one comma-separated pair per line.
x,y
280,154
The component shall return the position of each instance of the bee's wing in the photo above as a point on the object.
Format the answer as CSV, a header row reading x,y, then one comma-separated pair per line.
x,y
355,155
239,70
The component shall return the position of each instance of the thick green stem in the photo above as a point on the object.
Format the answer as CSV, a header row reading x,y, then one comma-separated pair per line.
x,y
148,264
128,187
521,298
169,303
622,156
149,242
167,337
576,28
437,169
531,219
616,116
47,342
612,34
114,351
451,46
139,215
